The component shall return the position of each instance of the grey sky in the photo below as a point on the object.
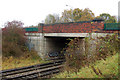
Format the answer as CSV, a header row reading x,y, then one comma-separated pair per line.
x,y
32,12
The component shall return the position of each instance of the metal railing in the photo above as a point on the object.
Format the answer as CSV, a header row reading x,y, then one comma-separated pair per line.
x,y
112,26
31,29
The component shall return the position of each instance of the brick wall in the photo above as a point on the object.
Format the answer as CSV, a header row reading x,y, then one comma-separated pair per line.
x,y
77,27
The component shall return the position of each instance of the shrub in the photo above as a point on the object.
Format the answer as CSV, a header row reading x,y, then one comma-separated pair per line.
x,y
13,40
105,46
108,45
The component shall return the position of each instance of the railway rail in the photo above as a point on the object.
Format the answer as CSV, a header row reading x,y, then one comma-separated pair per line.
x,y
45,70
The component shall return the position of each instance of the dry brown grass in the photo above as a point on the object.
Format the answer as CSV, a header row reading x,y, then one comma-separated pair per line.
x,y
26,60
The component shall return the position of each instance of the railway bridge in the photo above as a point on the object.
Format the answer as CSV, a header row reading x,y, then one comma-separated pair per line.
x,y
46,38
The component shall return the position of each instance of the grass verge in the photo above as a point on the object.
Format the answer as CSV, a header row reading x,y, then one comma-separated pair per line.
x,y
108,69
23,61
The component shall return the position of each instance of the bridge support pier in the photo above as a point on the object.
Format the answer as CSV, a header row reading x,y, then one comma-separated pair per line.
x,y
36,41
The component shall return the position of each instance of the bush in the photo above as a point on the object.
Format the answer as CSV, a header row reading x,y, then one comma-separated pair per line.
x,y
13,40
105,46
108,45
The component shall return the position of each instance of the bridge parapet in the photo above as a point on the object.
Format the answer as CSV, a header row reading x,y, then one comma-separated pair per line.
x,y
76,27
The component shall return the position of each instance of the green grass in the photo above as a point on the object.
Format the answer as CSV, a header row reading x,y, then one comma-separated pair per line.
x,y
108,67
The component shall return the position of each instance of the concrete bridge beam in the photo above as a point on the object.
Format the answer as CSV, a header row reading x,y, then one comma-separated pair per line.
x,y
66,34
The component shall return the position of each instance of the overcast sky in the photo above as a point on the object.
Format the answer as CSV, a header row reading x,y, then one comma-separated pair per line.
x,y
32,12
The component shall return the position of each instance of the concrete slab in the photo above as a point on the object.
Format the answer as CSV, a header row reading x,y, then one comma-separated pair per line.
x,y
66,34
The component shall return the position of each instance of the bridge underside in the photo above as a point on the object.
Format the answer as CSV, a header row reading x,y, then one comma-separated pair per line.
x,y
52,42
55,44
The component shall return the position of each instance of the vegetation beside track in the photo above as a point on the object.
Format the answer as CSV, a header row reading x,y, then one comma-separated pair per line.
x,y
15,50
105,68
30,58
102,63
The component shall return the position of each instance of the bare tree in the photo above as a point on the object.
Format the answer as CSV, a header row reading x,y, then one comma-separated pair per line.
x,y
52,18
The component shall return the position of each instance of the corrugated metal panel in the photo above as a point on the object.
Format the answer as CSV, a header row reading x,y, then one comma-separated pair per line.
x,y
112,26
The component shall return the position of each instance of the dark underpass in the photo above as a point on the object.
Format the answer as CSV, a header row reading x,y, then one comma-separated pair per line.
x,y
56,44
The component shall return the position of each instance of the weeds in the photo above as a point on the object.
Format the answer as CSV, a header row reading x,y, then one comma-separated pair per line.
x,y
28,59
102,47
108,69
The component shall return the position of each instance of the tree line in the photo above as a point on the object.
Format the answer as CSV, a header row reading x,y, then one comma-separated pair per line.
x,y
77,15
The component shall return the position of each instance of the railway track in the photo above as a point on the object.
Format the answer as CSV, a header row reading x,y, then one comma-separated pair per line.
x,y
45,70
